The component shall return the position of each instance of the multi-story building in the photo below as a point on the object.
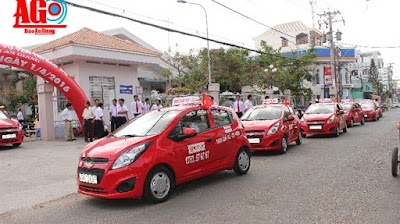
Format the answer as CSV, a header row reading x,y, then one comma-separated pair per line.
x,y
294,38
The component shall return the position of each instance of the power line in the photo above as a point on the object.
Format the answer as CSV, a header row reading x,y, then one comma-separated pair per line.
x,y
162,21
367,46
248,17
172,30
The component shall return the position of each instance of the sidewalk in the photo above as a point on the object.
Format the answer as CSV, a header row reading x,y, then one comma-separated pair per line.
x,y
38,171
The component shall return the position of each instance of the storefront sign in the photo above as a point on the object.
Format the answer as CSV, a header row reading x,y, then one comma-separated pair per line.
x,y
124,89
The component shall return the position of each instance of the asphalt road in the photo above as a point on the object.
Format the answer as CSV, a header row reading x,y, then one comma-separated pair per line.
x,y
325,180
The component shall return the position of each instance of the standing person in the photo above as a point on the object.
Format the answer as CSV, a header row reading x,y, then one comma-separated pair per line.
x,y
157,105
136,107
122,113
146,105
66,116
88,117
20,116
249,103
98,122
3,109
214,103
113,115
238,106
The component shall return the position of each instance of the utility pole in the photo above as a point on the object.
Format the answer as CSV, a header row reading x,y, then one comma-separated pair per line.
x,y
328,20
312,3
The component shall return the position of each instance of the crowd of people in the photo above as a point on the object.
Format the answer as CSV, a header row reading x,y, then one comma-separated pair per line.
x,y
95,126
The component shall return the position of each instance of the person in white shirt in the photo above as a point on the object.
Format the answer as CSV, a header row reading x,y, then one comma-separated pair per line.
x,y
214,103
96,104
122,113
238,106
66,116
98,122
113,115
20,116
146,105
136,107
156,105
249,103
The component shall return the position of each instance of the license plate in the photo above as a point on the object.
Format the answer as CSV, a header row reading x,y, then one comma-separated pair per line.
x,y
88,178
316,127
254,140
9,136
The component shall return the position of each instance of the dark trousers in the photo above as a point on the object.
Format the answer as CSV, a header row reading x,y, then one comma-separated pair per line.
x,y
120,121
113,123
88,132
98,129
239,114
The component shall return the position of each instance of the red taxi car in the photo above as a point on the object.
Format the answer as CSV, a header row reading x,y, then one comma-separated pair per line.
x,y
354,113
324,118
154,152
10,131
271,126
370,109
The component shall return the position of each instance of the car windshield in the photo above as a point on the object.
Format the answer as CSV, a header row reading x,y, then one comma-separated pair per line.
x,y
367,105
151,123
321,109
346,106
3,116
263,113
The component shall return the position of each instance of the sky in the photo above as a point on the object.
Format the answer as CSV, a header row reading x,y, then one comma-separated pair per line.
x,y
368,23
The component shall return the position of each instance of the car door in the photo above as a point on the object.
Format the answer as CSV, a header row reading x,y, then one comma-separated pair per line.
x,y
289,124
224,132
357,112
193,153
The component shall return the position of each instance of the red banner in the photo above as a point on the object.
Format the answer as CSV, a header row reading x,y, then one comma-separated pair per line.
x,y
328,75
37,65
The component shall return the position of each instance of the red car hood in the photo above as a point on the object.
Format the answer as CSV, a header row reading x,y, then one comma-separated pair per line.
x,y
8,123
111,148
316,117
367,110
258,124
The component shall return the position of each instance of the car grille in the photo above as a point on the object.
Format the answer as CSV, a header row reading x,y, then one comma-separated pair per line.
x,y
94,171
9,128
92,189
316,122
94,160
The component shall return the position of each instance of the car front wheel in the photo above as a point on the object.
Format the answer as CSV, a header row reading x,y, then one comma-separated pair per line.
x,y
242,162
159,185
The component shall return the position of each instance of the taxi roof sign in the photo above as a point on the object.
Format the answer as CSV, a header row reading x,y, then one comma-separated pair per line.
x,y
326,100
271,101
186,101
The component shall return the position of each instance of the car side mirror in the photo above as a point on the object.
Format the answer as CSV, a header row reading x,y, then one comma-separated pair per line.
x,y
341,112
187,133
290,117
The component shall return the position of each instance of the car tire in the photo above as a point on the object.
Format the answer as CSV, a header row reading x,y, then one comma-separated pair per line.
x,y
337,131
362,121
352,122
159,185
284,145
345,128
395,161
299,139
242,161
16,144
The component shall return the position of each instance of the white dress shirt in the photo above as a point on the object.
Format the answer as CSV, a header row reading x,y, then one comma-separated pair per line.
x,y
121,108
20,116
146,108
241,106
113,111
156,107
248,104
137,107
66,115
99,114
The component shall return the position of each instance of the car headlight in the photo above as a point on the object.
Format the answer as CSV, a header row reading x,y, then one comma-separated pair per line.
x,y
129,156
331,119
20,126
274,128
